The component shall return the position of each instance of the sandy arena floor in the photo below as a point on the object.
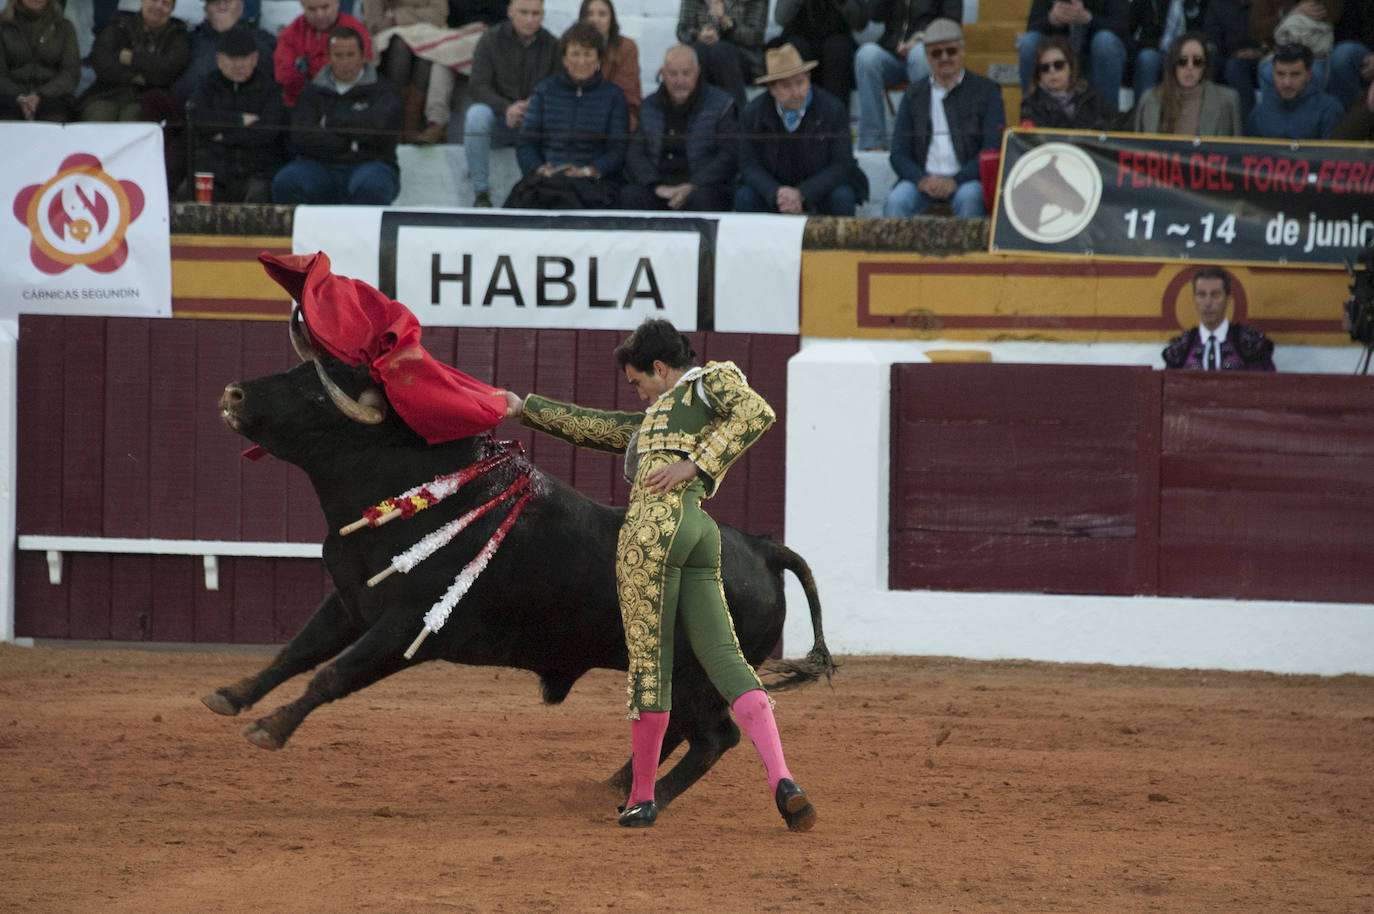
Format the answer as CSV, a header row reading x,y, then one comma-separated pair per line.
x,y
942,786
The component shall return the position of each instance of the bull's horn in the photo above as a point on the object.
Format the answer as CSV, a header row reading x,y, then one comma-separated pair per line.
x,y
367,415
298,339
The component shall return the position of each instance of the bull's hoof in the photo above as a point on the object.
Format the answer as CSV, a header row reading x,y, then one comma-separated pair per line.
x,y
220,703
259,737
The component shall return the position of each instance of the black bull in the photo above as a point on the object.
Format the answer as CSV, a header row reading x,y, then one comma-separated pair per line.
x,y
546,603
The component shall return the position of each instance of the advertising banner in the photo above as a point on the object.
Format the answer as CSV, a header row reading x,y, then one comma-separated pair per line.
x,y
577,271
1079,193
87,230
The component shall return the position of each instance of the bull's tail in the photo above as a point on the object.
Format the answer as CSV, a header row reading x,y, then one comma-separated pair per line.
x,y
818,662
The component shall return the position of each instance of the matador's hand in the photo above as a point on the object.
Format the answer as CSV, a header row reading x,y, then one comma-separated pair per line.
x,y
659,481
514,404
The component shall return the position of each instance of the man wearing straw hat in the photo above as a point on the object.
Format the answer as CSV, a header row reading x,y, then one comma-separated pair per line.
x,y
795,152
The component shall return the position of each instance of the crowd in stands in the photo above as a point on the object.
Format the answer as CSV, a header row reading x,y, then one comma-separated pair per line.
x,y
314,114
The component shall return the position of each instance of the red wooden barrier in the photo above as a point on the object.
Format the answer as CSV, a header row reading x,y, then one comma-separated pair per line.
x,y
1122,480
120,437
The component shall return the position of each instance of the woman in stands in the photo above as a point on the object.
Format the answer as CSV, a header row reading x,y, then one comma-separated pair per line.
x,y
1186,101
620,62
40,64
576,128
1062,97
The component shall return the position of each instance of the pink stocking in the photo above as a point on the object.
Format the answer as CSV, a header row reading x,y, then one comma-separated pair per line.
x,y
755,716
646,741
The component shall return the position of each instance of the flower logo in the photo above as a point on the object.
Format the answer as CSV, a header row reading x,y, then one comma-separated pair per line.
x,y
79,215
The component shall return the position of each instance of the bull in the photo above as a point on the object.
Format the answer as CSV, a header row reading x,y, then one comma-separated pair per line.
x,y
546,603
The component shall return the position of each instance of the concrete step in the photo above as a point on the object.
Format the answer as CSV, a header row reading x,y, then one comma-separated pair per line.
x,y
995,10
993,36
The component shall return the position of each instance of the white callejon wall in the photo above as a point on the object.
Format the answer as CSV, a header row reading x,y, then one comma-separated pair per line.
x,y
837,519
9,345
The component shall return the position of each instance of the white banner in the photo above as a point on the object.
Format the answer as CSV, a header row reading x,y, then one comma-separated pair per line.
x,y
88,230
735,273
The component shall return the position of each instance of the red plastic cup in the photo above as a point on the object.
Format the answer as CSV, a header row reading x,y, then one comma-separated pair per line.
x,y
205,186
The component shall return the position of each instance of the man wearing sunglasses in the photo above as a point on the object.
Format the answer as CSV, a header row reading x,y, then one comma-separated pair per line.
x,y
943,122
1293,108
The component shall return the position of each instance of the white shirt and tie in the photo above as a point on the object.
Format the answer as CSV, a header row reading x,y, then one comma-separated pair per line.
x,y
1211,344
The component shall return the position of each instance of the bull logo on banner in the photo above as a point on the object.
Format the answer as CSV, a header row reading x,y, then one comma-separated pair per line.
x,y
79,216
1052,193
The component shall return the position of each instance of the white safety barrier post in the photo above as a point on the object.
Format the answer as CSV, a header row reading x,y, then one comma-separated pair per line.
x,y
9,428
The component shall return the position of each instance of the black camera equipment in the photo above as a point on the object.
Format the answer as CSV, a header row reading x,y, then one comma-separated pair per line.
x,y
1359,310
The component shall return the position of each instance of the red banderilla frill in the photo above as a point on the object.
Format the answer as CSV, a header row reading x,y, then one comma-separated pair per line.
x,y
422,496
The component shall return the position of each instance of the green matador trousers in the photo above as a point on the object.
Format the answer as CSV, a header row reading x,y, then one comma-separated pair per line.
x,y
668,562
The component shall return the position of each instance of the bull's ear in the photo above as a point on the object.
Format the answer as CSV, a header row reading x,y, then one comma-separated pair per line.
x,y
374,398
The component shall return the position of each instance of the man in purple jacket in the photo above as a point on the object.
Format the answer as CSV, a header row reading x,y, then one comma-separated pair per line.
x,y
1217,344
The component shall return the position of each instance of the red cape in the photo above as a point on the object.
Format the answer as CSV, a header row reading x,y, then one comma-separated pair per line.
x,y
359,325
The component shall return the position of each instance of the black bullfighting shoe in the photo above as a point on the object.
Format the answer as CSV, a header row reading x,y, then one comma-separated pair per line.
x,y
796,809
640,815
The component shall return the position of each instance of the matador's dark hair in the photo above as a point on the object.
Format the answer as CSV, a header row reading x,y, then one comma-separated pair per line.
x,y
1213,273
655,340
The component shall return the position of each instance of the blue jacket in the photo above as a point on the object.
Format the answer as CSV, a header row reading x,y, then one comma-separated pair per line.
x,y
712,139
976,118
571,124
1310,116
815,159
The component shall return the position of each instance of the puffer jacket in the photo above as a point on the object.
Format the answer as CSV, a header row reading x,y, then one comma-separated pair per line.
x,y
159,56
712,138
38,52
571,124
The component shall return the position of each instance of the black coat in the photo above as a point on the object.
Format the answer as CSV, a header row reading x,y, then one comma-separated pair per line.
x,y
236,152
359,126
815,159
1090,113
158,56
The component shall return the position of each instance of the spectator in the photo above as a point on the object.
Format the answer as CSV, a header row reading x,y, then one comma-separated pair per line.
x,y
1155,25
897,55
136,60
1187,101
620,63
1098,30
795,151
728,38
943,123
40,63
823,31
346,122
468,20
401,29
1226,25
303,46
1267,15
577,125
139,54
236,115
1359,121
220,17
1217,344
1061,97
510,60
1352,59
1293,108
685,154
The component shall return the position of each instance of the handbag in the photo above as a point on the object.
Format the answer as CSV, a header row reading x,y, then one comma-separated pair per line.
x,y
535,191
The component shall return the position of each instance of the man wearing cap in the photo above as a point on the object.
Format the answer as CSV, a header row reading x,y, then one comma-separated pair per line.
x,y
898,55
943,122
220,17
235,113
795,154
346,123
685,153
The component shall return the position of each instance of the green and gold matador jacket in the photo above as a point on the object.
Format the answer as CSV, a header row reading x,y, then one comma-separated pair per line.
x,y
711,417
